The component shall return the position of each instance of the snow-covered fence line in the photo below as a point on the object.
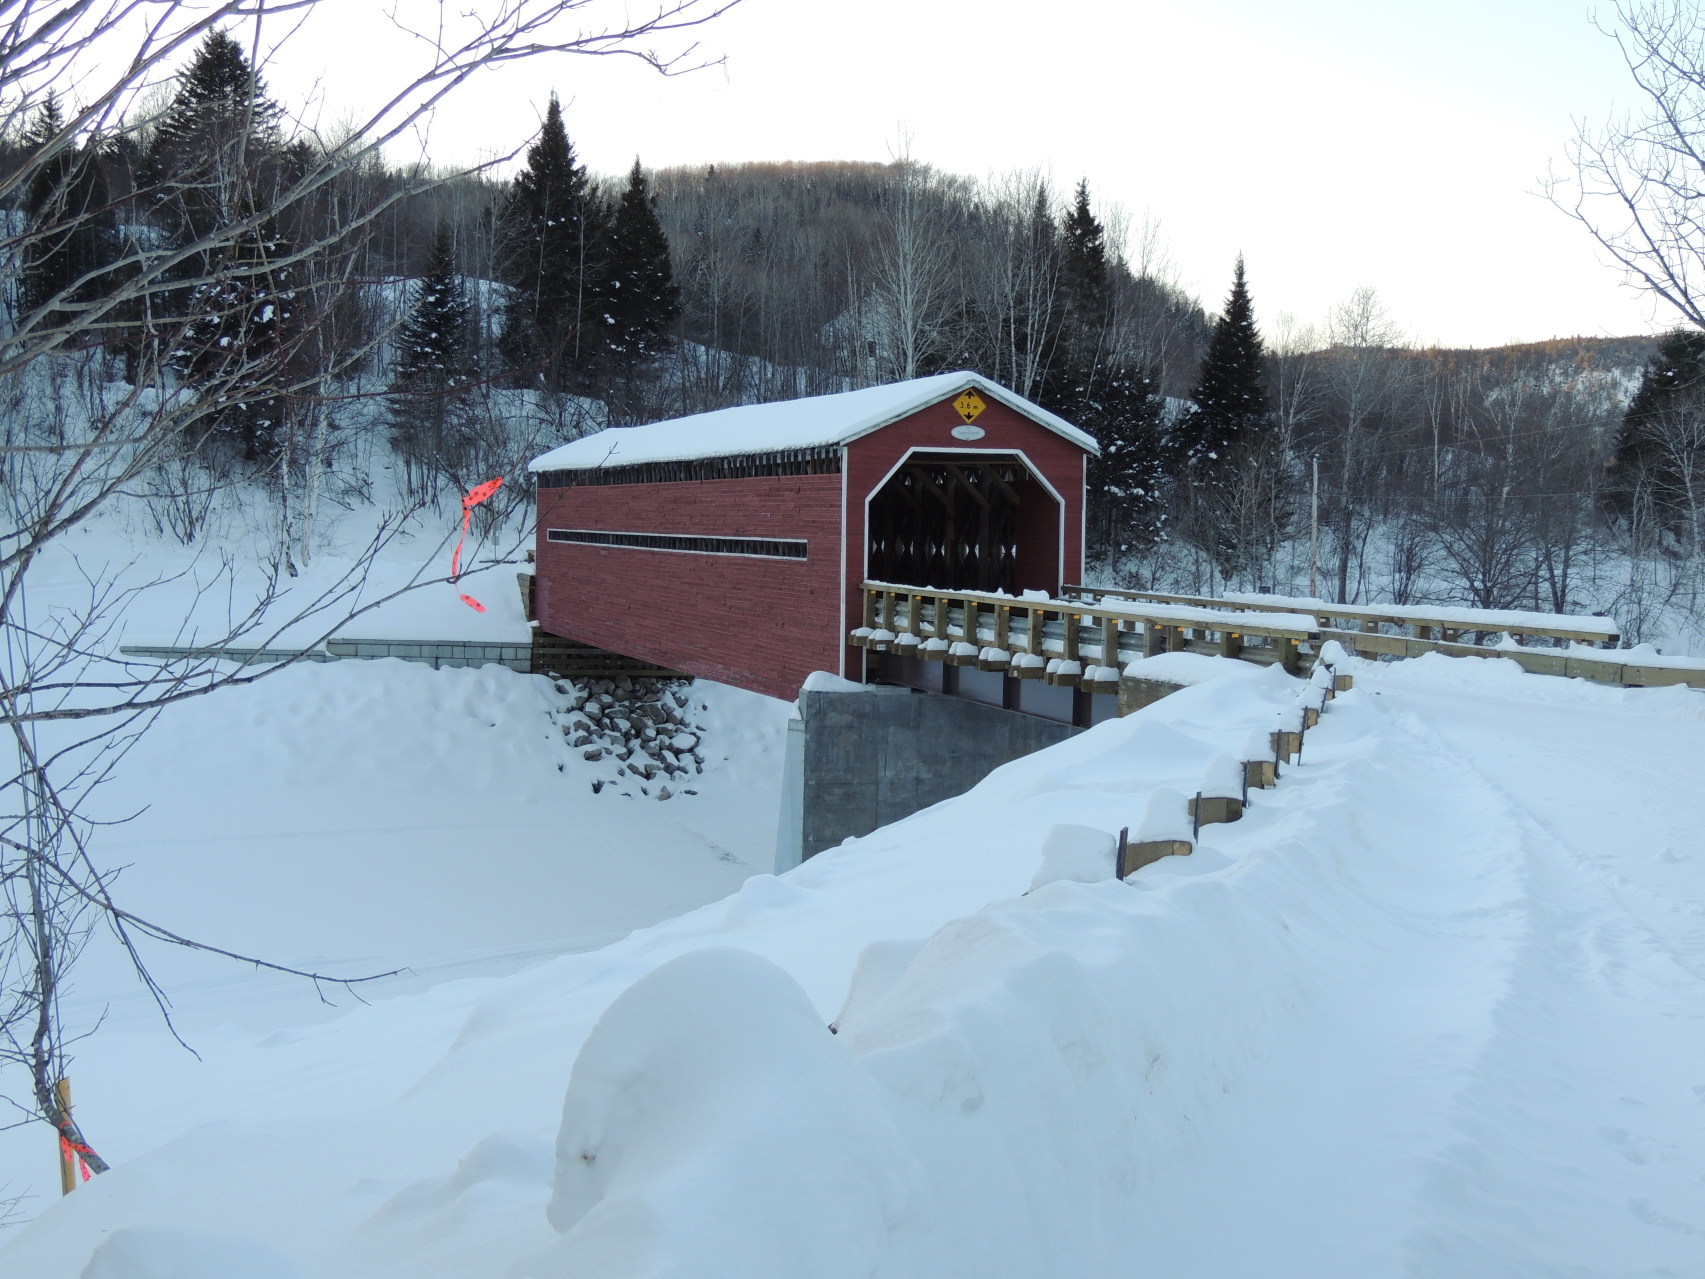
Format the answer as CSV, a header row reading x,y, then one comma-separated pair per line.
x,y
1424,619
1589,655
1173,823
1066,642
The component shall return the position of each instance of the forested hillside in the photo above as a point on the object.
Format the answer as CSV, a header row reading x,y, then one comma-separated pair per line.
x,y
458,324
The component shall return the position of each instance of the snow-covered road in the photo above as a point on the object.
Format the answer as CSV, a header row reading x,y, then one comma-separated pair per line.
x,y
1434,1007
1507,1074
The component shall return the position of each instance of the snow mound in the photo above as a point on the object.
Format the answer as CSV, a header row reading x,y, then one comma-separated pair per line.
x,y
1083,854
1168,817
825,682
707,1098
1192,668
153,1253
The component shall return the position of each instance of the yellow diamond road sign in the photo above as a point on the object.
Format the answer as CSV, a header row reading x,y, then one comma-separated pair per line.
x,y
969,405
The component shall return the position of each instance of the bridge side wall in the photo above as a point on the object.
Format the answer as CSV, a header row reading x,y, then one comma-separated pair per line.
x,y
1050,550
758,623
862,760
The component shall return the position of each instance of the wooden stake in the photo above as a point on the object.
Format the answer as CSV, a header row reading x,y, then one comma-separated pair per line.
x,y
67,1156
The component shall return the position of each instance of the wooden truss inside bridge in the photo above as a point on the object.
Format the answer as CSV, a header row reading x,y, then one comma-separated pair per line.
x,y
952,520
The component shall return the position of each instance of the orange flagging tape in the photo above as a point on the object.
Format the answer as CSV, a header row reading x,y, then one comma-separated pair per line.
x,y
475,496
69,1148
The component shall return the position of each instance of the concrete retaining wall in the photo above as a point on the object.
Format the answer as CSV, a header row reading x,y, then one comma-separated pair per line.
x,y
856,761
439,653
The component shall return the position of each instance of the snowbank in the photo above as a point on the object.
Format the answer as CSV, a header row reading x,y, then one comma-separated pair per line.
x,y
708,1097
1192,668
1425,1009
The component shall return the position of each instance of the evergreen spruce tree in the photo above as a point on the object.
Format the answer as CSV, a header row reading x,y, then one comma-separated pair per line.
x,y
234,325
72,226
1084,314
1231,405
640,300
551,248
1115,401
239,343
1224,448
433,360
1128,482
1663,415
1085,274
206,164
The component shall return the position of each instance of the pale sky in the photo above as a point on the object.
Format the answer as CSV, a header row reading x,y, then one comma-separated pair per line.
x,y
1335,143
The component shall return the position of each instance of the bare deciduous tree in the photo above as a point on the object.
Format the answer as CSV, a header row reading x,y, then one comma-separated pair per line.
x,y
1638,184
912,270
72,709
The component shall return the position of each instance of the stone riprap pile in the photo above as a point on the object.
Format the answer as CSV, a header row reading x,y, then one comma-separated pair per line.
x,y
642,728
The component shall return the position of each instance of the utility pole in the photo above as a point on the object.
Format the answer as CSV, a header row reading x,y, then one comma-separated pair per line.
x,y
1314,528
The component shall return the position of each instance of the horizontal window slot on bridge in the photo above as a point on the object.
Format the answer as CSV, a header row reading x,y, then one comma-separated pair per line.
x,y
772,548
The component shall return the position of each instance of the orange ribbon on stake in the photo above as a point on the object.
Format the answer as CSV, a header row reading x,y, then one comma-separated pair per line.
x,y
478,494
70,1150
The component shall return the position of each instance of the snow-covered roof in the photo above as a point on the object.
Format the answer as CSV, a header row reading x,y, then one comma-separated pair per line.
x,y
813,422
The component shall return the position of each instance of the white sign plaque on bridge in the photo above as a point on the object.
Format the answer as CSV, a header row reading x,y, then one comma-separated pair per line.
x,y
967,432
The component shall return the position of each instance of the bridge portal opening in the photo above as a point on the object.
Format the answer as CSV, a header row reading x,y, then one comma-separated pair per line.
x,y
965,523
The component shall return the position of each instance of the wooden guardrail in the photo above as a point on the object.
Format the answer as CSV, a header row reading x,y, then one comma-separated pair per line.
x,y
1424,621
1061,642
1084,639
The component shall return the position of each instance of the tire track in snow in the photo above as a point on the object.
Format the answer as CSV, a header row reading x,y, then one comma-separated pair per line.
x,y
1406,938
1553,1168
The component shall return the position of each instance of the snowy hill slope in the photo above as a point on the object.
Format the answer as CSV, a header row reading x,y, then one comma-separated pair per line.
x,y
356,817
1430,1008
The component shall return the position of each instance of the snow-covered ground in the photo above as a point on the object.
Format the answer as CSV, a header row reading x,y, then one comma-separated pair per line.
x,y
158,592
356,817
1432,1008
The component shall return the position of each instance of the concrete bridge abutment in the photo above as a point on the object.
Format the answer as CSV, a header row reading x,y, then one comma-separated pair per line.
x,y
857,760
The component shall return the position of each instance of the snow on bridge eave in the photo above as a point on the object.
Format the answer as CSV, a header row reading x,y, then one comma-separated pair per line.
x,y
818,421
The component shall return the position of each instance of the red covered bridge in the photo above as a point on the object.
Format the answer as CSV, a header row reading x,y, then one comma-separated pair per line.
x,y
732,545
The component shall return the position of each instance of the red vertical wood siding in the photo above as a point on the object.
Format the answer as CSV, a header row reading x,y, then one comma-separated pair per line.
x,y
762,624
